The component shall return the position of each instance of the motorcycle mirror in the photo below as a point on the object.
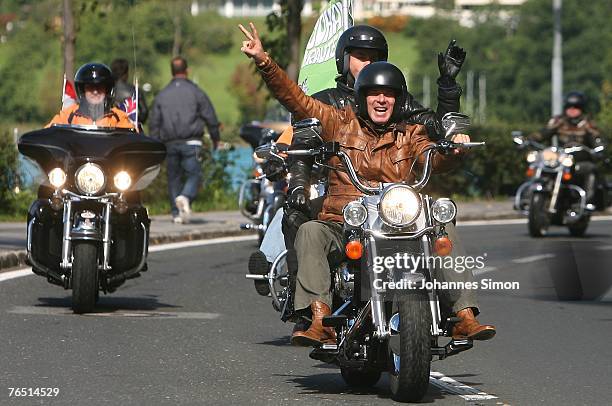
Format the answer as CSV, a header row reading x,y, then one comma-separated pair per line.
x,y
455,123
598,148
518,140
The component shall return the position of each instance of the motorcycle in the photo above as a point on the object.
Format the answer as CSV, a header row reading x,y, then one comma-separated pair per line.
x,y
551,196
88,231
379,329
261,196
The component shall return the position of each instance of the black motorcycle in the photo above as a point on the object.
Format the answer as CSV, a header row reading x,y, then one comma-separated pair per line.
x,y
386,320
88,230
554,194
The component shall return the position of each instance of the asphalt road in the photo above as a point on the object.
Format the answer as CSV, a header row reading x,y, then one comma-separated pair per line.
x,y
192,331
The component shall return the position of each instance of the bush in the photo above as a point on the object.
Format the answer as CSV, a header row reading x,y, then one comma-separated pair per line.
x,y
14,201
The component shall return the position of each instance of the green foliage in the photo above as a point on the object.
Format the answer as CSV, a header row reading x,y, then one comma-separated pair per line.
x,y
14,201
490,171
515,53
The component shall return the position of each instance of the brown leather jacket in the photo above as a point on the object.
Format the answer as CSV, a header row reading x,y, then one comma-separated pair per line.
x,y
376,158
571,131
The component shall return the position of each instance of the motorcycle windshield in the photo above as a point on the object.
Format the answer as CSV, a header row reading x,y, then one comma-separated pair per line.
x,y
114,149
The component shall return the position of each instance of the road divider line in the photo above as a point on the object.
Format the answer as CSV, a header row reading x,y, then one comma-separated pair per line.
x,y
486,269
501,222
604,248
198,243
533,258
5,276
454,387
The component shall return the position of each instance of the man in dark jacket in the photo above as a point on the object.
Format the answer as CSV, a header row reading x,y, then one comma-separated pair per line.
x,y
125,91
180,112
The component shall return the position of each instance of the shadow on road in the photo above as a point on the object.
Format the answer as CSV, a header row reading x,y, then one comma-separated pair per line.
x,y
110,304
278,342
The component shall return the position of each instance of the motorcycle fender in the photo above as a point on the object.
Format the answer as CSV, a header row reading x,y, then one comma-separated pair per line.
x,y
87,226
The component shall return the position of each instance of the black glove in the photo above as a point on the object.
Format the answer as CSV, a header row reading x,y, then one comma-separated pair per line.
x,y
449,62
298,199
274,170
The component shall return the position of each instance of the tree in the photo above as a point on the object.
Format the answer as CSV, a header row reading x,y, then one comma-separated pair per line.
x,y
69,39
283,40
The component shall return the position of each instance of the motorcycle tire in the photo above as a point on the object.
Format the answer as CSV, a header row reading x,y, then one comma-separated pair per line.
x,y
578,229
360,378
84,276
538,220
410,382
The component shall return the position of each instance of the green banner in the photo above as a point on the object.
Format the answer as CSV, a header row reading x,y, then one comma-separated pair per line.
x,y
318,69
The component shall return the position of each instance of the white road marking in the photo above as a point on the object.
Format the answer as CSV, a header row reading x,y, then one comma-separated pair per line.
x,y
454,387
5,276
532,258
604,248
486,269
502,222
101,312
198,243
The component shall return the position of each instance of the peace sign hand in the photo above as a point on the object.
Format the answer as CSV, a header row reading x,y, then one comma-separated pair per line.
x,y
252,46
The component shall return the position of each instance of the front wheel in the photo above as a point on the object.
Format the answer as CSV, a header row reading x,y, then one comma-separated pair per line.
x,y
538,215
578,228
84,276
409,368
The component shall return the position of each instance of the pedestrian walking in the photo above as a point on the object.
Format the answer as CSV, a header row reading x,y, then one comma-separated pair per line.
x,y
178,116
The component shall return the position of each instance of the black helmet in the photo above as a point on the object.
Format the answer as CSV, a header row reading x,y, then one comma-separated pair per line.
x,y
95,73
380,74
575,99
359,36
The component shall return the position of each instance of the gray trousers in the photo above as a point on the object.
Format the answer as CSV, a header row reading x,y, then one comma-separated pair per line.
x,y
316,239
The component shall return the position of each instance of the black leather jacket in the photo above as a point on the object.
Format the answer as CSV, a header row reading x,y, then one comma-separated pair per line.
x,y
448,100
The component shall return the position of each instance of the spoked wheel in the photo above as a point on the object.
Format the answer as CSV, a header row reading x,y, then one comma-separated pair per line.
x,y
539,220
360,378
410,348
84,276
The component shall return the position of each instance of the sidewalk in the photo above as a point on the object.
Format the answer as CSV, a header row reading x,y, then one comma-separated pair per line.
x,y
222,224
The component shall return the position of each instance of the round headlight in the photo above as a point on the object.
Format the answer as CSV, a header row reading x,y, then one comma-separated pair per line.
x,y
567,161
90,179
123,181
399,206
355,214
57,177
444,210
532,156
550,157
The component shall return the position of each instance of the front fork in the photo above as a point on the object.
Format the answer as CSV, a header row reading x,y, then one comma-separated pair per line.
x,y
68,235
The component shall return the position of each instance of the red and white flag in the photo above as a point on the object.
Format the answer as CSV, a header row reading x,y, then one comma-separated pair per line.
x,y
68,94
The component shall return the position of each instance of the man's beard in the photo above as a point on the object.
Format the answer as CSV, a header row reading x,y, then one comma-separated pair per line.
x,y
94,111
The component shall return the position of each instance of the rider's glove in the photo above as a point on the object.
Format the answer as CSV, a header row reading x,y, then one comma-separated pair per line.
x,y
274,170
449,63
298,199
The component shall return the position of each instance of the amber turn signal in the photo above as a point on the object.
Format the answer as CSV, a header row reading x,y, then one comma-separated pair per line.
x,y
443,246
530,172
354,249
567,176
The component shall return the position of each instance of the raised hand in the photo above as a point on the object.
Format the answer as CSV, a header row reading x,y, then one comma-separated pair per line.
x,y
460,139
450,62
252,46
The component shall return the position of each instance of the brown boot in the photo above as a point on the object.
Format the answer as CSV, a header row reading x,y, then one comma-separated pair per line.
x,y
470,328
316,335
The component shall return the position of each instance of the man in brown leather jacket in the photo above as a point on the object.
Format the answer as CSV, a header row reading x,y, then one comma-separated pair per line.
x,y
382,148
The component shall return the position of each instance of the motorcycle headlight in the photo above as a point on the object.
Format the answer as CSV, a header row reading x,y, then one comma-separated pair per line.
x,y
567,161
90,179
355,214
444,210
399,206
57,177
550,157
532,156
123,181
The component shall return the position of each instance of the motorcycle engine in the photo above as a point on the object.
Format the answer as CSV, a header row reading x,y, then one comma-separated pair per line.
x,y
344,281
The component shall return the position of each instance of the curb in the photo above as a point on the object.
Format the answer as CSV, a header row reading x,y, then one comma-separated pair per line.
x,y
14,259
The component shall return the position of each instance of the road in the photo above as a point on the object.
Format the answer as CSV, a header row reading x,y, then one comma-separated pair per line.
x,y
192,331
